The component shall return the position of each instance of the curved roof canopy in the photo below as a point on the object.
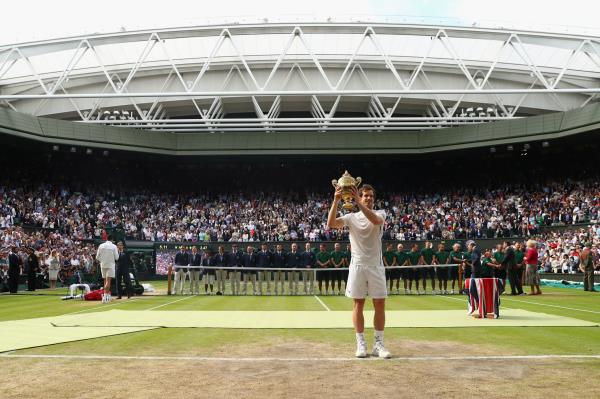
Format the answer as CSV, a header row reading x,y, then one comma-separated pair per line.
x,y
301,77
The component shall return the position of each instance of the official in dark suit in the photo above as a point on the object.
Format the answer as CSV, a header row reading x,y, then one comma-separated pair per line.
x,y
181,259
208,275
475,260
33,267
124,263
195,260
279,275
308,260
14,270
221,261
249,263
293,261
234,259
514,272
263,260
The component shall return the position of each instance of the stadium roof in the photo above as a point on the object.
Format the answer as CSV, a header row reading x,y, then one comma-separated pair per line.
x,y
301,76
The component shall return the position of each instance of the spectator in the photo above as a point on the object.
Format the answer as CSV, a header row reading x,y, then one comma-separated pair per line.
x,y
53,268
532,277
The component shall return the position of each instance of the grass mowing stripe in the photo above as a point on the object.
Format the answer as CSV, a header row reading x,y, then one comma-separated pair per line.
x,y
322,303
553,306
300,359
104,306
169,303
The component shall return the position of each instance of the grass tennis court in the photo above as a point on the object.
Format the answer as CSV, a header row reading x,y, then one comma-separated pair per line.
x,y
262,360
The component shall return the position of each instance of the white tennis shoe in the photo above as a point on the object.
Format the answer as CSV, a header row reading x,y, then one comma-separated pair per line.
x,y
380,351
361,349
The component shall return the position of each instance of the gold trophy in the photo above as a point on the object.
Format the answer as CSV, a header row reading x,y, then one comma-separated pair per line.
x,y
346,182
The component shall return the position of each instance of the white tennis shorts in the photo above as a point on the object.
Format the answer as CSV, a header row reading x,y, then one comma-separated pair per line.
x,y
108,272
366,280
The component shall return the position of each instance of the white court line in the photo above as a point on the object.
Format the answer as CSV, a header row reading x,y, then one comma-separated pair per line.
x,y
322,303
168,303
299,359
451,297
552,306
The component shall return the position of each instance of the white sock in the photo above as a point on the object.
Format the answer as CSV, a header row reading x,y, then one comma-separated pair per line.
x,y
378,336
360,338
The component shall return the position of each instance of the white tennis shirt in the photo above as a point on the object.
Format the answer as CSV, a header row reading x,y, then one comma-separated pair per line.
x,y
107,254
365,238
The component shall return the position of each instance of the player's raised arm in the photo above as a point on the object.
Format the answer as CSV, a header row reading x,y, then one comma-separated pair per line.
x,y
333,222
367,210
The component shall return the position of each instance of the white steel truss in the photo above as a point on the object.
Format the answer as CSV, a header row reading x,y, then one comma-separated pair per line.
x,y
372,84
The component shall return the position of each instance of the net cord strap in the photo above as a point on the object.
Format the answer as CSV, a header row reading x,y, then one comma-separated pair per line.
x,y
300,269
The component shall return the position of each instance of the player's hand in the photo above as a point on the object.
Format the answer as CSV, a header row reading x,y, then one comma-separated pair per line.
x,y
355,195
338,194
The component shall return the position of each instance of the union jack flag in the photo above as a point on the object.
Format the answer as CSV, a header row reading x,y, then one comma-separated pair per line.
x,y
484,296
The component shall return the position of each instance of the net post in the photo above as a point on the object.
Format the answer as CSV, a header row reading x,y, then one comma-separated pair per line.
x,y
169,279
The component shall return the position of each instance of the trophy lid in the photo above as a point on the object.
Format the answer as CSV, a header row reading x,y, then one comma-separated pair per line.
x,y
346,179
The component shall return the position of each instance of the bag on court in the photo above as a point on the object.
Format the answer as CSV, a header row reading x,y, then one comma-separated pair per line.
x,y
94,295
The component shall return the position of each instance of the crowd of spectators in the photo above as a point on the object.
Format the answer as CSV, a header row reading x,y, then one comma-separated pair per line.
x,y
559,252
262,216
47,217
76,257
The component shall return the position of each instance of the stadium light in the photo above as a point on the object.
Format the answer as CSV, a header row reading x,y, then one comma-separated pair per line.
x,y
509,148
545,144
493,150
55,148
73,149
88,151
105,153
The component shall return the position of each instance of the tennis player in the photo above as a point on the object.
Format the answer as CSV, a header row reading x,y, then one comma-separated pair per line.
x,y
367,274
107,255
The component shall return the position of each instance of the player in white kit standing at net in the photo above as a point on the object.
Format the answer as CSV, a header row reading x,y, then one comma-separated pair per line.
x,y
366,274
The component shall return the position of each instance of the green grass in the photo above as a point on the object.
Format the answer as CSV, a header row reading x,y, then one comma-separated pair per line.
x,y
508,340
